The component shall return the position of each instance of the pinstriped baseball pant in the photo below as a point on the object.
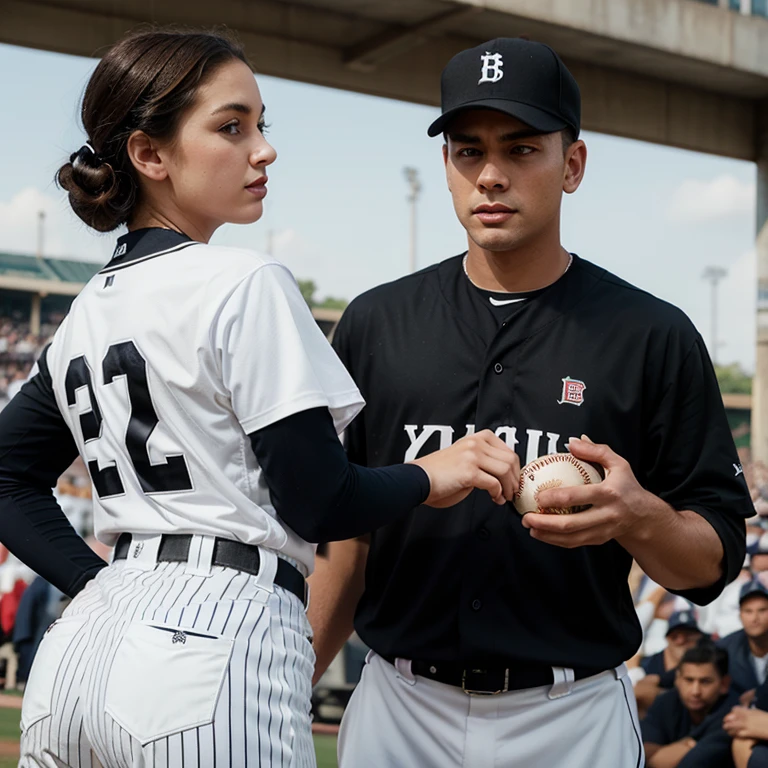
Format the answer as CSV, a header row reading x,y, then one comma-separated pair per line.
x,y
166,667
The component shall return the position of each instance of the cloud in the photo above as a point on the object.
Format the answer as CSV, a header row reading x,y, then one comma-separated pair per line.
x,y
723,197
64,235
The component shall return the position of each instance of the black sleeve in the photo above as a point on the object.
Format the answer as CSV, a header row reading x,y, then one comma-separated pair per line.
x,y
713,750
691,461
36,446
654,726
761,696
315,489
667,678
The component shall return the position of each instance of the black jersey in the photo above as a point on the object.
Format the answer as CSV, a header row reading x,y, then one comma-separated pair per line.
x,y
591,354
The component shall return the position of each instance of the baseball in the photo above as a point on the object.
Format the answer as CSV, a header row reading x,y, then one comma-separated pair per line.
x,y
558,470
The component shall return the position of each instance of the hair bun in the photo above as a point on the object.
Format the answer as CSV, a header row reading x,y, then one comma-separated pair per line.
x,y
96,194
90,172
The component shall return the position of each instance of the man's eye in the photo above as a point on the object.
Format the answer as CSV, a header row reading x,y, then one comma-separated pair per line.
x,y
522,150
231,129
468,152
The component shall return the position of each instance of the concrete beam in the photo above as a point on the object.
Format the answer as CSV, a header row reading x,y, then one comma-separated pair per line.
x,y
689,29
616,101
366,56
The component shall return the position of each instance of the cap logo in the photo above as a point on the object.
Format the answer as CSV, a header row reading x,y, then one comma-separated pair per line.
x,y
492,64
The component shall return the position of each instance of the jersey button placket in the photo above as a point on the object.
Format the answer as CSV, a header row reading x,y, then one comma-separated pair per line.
x,y
483,534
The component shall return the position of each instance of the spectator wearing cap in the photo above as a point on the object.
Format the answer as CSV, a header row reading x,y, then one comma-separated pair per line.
x,y
683,633
748,647
721,617
684,726
759,555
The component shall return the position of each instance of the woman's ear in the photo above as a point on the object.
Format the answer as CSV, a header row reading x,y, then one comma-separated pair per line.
x,y
145,158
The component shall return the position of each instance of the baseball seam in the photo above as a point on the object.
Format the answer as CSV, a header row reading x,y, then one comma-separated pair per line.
x,y
555,459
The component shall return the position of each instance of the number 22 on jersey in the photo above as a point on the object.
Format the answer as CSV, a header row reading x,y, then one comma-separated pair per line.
x,y
124,359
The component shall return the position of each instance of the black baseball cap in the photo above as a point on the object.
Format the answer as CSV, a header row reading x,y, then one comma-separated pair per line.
x,y
685,619
519,77
754,587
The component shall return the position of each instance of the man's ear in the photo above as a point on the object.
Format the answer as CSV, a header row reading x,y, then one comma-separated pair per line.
x,y
575,165
145,158
445,163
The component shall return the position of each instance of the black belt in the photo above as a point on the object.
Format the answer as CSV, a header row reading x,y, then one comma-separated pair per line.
x,y
174,548
489,680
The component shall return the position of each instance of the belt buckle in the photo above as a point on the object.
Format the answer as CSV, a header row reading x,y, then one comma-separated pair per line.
x,y
478,692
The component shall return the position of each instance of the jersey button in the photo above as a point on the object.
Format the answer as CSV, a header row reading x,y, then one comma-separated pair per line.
x,y
477,605
483,534
498,367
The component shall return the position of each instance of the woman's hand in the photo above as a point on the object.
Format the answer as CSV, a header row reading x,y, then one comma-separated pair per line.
x,y
480,461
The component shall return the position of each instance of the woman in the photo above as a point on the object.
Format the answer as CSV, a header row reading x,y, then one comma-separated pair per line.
x,y
206,404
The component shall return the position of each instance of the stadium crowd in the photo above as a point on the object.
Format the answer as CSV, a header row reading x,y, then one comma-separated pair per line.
x,y
19,348
700,676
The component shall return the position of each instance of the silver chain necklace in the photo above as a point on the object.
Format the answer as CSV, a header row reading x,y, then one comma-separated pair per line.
x,y
464,265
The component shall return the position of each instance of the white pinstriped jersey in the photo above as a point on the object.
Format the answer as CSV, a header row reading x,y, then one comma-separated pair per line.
x,y
167,360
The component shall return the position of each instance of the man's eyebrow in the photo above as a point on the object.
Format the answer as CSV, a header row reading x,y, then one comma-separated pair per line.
x,y
524,133
234,106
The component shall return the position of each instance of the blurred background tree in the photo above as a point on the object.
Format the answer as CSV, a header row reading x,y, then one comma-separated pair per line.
x,y
733,380
308,290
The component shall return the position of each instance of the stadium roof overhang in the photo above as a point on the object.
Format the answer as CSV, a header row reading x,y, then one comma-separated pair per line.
x,y
675,72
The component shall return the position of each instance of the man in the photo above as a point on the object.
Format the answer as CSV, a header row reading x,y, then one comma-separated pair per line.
x,y
684,726
760,555
519,336
748,647
683,633
749,729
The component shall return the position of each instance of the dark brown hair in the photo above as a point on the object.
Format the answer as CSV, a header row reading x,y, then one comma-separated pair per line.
x,y
144,83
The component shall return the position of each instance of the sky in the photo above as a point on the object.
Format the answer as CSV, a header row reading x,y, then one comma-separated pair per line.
x,y
337,209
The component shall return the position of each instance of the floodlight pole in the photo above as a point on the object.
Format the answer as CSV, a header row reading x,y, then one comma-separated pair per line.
x,y
714,275
414,185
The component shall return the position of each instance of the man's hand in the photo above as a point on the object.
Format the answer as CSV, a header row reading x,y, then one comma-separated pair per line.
x,y
480,461
619,503
669,755
743,723
747,697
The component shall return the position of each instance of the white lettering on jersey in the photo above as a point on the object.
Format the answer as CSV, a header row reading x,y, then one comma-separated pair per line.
x,y
508,435
533,443
492,64
739,470
419,441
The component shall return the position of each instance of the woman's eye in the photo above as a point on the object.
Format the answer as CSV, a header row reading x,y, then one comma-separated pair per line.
x,y
231,129
263,128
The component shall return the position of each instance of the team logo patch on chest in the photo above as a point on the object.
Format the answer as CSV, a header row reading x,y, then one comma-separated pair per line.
x,y
573,391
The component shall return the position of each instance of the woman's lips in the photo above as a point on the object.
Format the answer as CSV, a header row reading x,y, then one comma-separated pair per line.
x,y
258,189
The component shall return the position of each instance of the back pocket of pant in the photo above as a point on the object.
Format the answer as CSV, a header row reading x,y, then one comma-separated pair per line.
x,y
48,667
164,680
